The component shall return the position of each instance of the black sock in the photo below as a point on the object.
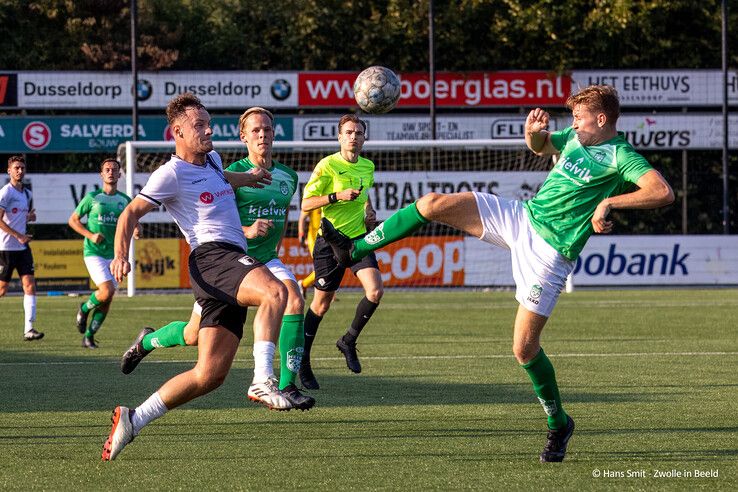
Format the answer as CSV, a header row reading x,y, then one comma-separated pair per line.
x,y
312,321
364,312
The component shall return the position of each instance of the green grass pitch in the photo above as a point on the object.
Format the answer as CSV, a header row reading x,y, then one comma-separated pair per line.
x,y
649,376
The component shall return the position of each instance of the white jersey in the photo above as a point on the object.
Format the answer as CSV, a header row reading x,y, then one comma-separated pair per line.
x,y
199,199
16,205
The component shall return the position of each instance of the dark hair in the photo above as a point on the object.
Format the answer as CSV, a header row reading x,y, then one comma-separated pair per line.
x,y
178,106
352,118
599,99
109,159
16,158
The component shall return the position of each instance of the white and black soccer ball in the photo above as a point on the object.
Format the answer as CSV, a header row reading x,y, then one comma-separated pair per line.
x,y
377,90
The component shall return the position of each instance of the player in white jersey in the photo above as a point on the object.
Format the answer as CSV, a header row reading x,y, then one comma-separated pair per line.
x,y
15,252
224,278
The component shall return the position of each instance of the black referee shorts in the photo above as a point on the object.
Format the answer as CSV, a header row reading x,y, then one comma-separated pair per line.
x,y
216,272
328,273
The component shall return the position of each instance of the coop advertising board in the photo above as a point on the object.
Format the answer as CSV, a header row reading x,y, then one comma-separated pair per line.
x,y
624,260
106,90
105,133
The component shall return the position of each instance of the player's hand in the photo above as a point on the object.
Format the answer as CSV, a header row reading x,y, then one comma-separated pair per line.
x,y
536,121
120,267
600,224
24,238
348,195
31,217
258,178
97,238
136,233
259,228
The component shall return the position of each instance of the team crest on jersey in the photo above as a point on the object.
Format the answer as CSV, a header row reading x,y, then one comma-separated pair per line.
x,y
247,260
294,359
375,236
598,156
284,188
120,206
535,294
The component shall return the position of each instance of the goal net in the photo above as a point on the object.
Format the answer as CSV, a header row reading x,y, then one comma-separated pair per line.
x,y
435,256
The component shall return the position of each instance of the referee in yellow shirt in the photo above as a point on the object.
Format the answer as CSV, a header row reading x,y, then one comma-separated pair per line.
x,y
340,186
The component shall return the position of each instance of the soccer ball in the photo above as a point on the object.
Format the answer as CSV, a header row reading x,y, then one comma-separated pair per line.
x,y
377,90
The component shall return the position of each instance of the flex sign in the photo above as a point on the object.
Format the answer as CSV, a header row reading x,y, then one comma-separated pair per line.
x,y
452,89
91,90
104,134
663,87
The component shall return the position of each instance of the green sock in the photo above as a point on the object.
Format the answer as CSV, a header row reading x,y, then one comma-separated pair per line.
x,y
91,304
169,335
97,320
398,225
291,348
542,375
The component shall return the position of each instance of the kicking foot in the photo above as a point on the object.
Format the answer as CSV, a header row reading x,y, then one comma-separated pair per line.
x,y
349,352
120,435
135,353
268,394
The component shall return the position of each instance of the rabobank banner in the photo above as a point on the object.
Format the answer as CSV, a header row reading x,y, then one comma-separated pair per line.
x,y
624,261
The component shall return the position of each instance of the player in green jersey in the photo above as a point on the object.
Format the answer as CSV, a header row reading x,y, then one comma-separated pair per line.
x,y
102,207
340,186
591,177
263,213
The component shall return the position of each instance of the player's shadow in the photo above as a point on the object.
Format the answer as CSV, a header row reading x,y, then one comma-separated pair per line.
x,y
67,384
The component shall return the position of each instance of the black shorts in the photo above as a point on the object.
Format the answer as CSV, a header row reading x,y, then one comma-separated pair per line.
x,y
16,260
328,274
216,271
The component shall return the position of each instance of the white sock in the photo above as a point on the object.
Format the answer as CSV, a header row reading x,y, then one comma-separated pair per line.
x,y
151,409
29,308
263,361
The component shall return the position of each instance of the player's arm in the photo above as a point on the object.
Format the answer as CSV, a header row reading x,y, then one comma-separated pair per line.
x,y
536,135
301,225
127,222
313,202
22,238
257,177
77,226
653,192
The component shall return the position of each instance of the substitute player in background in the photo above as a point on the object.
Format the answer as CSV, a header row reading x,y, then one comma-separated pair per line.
x,y
15,252
339,186
263,214
102,208
194,188
308,226
545,235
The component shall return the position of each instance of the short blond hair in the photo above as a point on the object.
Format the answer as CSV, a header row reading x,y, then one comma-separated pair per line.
x,y
599,99
254,110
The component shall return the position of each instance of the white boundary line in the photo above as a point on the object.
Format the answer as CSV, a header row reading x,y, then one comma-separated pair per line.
x,y
412,357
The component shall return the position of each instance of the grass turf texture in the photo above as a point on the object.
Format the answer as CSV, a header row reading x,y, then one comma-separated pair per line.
x,y
649,376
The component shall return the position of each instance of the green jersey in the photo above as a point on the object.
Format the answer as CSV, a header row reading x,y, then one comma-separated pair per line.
x,y
334,174
270,203
582,177
102,211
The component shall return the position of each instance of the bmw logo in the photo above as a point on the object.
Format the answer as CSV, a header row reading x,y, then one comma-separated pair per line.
x,y
281,89
143,90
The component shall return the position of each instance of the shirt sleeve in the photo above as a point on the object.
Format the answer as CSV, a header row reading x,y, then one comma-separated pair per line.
x,y
319,182
559,138
84,207
161,187
631,164
4,198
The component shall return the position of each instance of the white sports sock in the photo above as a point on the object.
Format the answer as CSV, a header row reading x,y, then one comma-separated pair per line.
x,y
263,361
29,308
151,409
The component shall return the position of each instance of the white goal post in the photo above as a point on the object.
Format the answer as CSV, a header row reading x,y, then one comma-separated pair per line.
x,y
405,170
